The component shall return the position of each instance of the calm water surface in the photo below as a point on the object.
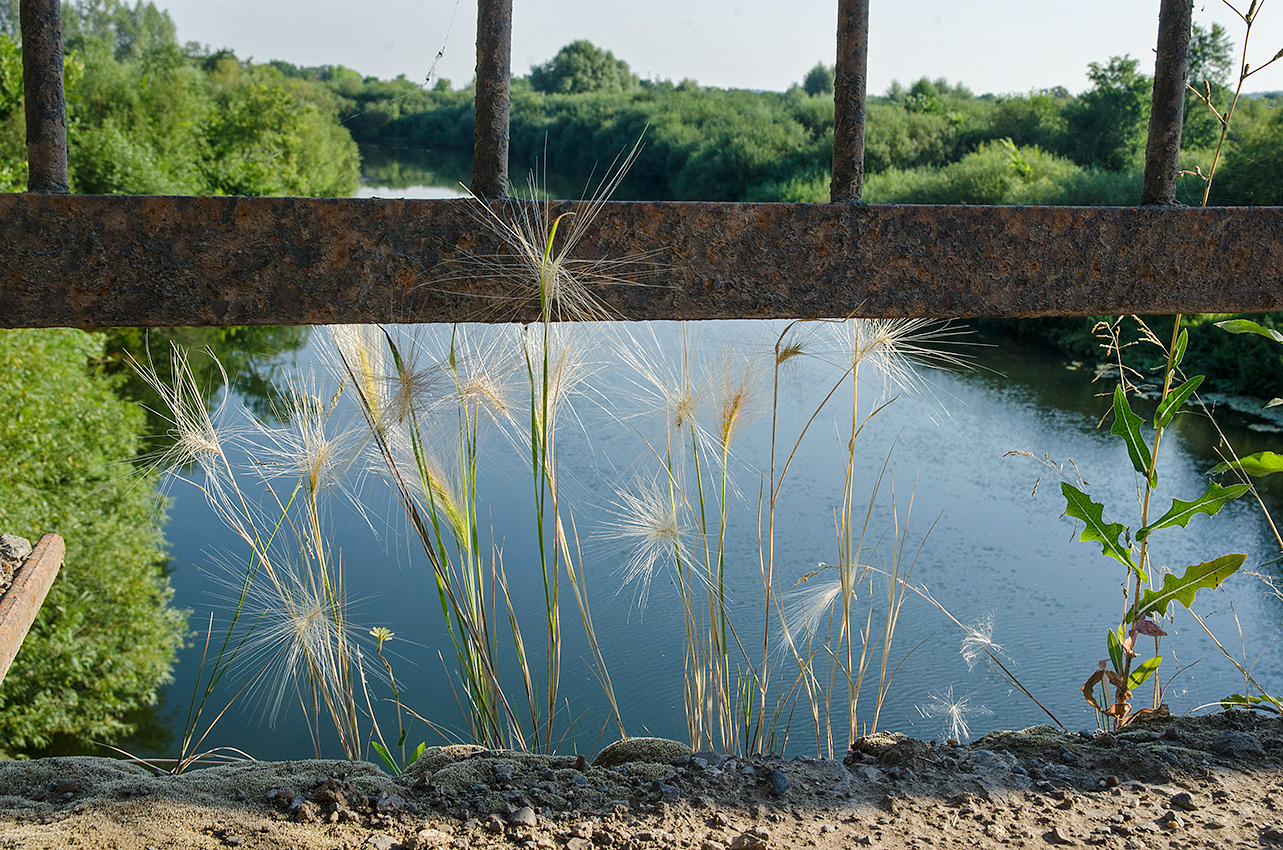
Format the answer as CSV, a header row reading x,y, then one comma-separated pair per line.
x,y
990,528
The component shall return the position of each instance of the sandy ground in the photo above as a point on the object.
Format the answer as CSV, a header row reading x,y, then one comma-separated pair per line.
x,y
1215,781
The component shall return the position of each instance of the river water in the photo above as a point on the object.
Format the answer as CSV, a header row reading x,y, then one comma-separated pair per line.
x,y
988,529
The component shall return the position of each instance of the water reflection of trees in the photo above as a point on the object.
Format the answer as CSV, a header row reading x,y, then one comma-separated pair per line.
x,y
253,358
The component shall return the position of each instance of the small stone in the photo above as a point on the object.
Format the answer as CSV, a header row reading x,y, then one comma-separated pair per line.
x,y
1111,781
14,549
650,750
645,836
1184,801
282,798
239,795
494,824
827,828
1272,833
524,816
779,782
749,841
379,842
1171,820
579,844
1059,836
429,838
579,780
388,803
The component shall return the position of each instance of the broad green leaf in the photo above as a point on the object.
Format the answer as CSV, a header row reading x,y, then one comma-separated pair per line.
x,y
1274,402
1127,426
386,756
1115,648
418,751
1181,512
1208,574
1178,353
1172,404
1095,529
1246,326
1258,465
1143,672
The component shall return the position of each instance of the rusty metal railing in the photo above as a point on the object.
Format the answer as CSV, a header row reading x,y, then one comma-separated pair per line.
x,y
92,262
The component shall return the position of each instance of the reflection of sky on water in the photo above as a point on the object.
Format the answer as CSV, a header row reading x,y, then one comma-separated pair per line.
x,y
410,192
994,546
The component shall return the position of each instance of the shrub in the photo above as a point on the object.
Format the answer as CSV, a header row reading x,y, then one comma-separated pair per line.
x,y
105,638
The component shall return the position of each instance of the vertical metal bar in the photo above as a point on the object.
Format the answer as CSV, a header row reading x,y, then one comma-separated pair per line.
x,y
849,90
45,103
494,73
1162,150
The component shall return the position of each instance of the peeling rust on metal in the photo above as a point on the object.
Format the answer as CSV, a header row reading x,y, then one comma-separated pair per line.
x,y
95,261
1163,145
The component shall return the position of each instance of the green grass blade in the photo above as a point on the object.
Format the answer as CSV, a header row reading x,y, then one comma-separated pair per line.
x,y
1079,506
1143,672
386,756
1208,574
1115,645
1181,512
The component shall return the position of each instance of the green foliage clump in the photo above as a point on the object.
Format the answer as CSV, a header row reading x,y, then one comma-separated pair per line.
x,y
998,172
146,116
581,67
105,639
819,80
1107,124
1252,172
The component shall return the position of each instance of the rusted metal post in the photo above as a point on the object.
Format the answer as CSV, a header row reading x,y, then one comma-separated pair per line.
x,y
494,73
849,89
1162,150
45,103
21,602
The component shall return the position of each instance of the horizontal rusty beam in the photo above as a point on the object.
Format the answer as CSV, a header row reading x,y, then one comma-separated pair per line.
x,y
21,602
92,261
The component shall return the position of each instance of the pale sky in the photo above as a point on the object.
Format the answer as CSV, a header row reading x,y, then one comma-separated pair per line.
x,y
998,46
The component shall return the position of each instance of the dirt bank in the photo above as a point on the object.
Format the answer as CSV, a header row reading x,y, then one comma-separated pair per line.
x,y
1185,782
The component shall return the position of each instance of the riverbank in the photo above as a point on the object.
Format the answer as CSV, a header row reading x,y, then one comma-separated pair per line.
x,y
1187,782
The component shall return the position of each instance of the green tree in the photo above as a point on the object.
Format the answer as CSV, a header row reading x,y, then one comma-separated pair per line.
x,y
105,638
1211,60
923,96
819,80
581,67
1252,172
1107,123
1211,56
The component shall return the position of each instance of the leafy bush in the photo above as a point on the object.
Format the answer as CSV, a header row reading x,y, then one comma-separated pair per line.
x,y
105,638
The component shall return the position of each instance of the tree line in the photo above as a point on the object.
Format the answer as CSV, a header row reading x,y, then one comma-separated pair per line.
x,y
146,115
931,141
